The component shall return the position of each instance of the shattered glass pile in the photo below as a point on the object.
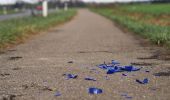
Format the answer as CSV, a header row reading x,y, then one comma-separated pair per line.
x,y
110,68
115,67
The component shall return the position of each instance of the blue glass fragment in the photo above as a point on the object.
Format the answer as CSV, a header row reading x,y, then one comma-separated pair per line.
x,y
128,97
93,90
103,66
156,74
111,71
90,79
71,76
130,68
57,94
115,67
114,62
125,95
127,68
145,81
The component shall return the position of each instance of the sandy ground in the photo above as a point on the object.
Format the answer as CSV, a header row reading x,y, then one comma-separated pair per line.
x,y
34,70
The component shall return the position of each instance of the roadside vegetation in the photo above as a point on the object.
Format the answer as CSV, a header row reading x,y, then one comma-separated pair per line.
x,y
8,12
15,30
151,21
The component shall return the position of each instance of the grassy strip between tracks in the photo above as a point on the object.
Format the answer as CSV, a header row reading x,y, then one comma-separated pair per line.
x,y
14,31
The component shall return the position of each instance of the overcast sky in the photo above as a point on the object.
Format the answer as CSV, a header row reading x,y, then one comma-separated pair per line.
x,y
14,1
34,1
112,0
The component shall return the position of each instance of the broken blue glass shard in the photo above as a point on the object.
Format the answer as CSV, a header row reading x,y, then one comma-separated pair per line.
x,y
130,68
114,62
103,66
157,74
71,76
111,71
144,81
94,90
115,67
128,97
90,79
57,93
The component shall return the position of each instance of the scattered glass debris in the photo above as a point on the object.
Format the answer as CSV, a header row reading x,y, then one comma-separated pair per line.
x,y
71,76
126,96
145,81
110,68
115,67
114,62
129,68
103,66
57,93
156,74
111,71
94,90
90,79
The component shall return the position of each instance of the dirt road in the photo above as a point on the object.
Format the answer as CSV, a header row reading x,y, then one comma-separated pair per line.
x,y
34,70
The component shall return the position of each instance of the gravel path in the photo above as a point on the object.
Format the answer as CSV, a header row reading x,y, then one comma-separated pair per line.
x,y
34,70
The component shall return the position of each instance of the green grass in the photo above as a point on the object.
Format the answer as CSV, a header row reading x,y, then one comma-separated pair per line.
x,y
8,12
156,33
15,29
1,12
155,9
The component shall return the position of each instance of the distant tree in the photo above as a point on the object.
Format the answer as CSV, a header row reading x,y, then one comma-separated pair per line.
x,y
160,1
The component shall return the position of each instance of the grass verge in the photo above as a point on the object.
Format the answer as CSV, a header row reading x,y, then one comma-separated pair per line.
x,y
136,21
8,12
15,30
